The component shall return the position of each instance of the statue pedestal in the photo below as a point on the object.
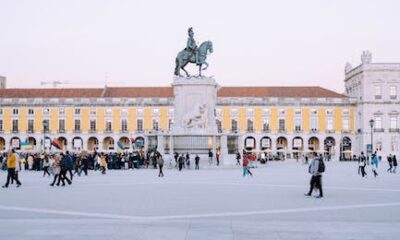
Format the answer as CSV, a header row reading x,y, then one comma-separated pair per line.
x,y
194,106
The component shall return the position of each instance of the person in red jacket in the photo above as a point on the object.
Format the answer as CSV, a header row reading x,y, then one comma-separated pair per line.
x,y
246,165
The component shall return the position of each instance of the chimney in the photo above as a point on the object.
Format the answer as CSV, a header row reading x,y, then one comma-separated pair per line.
x,y
3,81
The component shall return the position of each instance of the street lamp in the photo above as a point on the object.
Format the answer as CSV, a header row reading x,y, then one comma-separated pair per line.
x,y
371,124
44,135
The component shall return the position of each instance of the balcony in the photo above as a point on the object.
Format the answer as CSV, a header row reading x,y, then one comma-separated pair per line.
x,y
378,130
15,131
393,97
266,130
378,97
29,131
394,130
330,131
92,131
77,131
314,130
345,131
108,131
124,131
61,131
282,131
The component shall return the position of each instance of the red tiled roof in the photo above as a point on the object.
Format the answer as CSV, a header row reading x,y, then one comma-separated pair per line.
x,y
141,92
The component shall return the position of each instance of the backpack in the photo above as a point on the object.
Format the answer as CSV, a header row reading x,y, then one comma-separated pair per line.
x,y
321,166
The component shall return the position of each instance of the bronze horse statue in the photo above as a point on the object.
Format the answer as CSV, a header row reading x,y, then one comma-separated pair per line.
x,y
184,57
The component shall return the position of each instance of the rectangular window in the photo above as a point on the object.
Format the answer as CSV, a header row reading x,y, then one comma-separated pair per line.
x,y
61,125
282,126
378,92
314,124
31,125
234,125
250,125
15,111
170,123
31,111
329,112
77,111
109,111
297,111
393,122
46,111
46,125
155,124
345,124
77,125
393,92
297,124
124,125
92,125
329,124
139,124
378,122
61,111
266,125
1,111
15,125
1,125
219,125
108,126
93,111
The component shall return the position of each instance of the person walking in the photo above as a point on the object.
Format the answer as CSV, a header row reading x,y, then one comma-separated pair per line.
x,y
374,164
63,172
210,156
217,154
245,165
160,162
197,161
57,170
394,164
316,168
390,161
103,163
238,157
46,165
188,160
69,164
180,162
361,165
11,165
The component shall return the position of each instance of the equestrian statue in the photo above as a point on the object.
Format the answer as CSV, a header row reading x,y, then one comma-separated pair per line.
x,y
193,54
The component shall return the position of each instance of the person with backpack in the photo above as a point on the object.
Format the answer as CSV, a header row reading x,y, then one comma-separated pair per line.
x,y
316,168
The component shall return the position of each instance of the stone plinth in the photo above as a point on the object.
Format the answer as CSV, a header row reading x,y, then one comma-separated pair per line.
x,y
194,106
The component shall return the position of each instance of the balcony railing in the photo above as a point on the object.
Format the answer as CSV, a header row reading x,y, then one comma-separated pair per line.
x,y
77,131
29,131
15,131
330,131
379,130
393,97
394,130
282,130
124,131
92,131
314,130
345,131
108,131
61,131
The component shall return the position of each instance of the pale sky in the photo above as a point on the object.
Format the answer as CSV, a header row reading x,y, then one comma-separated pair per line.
x,y
268,43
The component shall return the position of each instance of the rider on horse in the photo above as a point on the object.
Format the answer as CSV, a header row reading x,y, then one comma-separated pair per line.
x,y
191,45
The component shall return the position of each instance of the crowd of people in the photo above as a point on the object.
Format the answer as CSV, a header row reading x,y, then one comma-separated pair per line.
x,y
64,166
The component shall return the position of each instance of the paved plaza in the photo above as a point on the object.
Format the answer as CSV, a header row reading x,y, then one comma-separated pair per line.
x,y
207,204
